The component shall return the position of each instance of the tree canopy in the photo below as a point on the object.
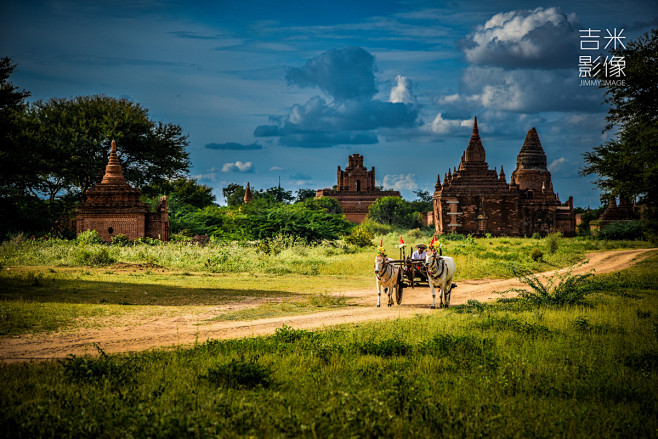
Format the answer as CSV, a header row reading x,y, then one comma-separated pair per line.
x,y
76,133
394,211
185,190
627,165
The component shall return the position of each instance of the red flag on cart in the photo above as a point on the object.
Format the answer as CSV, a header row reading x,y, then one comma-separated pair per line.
x,y
401,241
433,241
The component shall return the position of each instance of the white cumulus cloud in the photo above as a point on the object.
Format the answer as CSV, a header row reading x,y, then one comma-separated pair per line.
x,y
400,182
238,166
557,164
448,126
543,37
403,91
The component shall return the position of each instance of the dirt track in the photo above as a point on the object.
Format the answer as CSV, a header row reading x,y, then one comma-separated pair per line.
x,y
138,332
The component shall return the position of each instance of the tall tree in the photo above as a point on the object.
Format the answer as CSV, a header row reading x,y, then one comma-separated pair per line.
x,y
13,160
304,194
20,163
75,135
234,194
627,165
185,190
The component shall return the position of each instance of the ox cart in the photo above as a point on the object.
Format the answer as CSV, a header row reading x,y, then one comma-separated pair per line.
x,y
413,271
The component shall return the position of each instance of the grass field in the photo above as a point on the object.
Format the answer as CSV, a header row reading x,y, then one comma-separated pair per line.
x,y
508,369
58,284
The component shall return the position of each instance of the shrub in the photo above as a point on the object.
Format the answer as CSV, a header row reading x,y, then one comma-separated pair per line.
x,y
93,256
89,237
622,231
286,334
147,241
120,240
117,369
553,242
360,237
536,254
558,289
376,228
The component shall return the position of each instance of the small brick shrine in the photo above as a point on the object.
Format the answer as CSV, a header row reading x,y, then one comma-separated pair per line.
x,y
624,211
477,200
355,190
113,207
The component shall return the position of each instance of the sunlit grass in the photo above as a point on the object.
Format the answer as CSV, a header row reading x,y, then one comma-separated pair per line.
x,y
509,368
182,274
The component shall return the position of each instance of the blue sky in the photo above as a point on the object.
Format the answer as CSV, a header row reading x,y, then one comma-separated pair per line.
x,y
288,90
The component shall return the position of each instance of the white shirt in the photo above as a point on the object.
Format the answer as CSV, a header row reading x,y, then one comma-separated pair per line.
x,y
418,255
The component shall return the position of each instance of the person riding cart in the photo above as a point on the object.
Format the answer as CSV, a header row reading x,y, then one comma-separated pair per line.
x,y
417,263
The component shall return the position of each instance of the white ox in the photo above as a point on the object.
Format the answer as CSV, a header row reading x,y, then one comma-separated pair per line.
x,y
440,271
388,277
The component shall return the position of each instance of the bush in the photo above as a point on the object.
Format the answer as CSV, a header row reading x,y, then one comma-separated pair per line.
x,y
89,237
536,254
553,242
93,256
558,289
119,370
376,228
622,231
120,240
360,237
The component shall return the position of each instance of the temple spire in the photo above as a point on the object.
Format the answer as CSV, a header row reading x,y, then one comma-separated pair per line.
x,y
113,172
475,150
247,194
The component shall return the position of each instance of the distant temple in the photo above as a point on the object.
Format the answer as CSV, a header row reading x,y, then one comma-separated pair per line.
x,y
112,207
624,211
478,200
355,190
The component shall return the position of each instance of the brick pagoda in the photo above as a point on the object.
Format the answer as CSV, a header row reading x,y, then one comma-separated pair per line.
x,y
355,190
478,200
113,207
624,211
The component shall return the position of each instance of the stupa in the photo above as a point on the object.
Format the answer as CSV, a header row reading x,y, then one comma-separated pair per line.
x,y
113,207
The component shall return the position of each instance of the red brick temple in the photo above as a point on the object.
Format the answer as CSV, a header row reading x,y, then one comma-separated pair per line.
x,y
113,207
624,211
477,200
355,190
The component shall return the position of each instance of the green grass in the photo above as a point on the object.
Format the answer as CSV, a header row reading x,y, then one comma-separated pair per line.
x,y
507,369
60,275
475,258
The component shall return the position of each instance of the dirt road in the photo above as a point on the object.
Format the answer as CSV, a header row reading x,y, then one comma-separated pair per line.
x,y
139,332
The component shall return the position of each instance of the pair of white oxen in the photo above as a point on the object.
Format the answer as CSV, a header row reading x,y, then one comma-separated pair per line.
x,y
440,272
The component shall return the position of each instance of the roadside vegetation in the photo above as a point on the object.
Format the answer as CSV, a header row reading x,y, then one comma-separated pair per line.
x,y
49,285
510,368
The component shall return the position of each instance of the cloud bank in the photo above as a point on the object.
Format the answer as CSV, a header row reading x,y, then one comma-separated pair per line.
x,y
352,116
